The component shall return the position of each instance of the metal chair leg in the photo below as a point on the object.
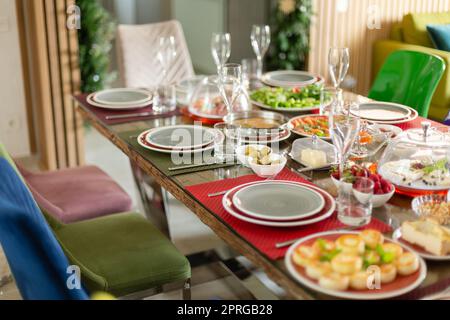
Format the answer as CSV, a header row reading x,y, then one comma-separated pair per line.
x,y
187,290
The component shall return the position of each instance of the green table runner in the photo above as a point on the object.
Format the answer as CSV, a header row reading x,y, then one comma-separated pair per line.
x,y
164,161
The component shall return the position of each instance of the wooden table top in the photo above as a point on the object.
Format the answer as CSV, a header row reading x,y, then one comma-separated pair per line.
x,y
398,210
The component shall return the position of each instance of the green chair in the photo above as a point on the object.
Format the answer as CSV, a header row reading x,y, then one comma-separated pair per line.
x,y
409,78
122,254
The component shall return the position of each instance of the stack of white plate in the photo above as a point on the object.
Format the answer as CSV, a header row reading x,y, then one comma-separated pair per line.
x,y
279,203
179,139
385,112
290,79
120,98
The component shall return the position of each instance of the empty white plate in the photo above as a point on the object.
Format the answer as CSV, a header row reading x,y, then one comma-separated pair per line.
x,y
289,78
122,96
181,137
382,111
278,201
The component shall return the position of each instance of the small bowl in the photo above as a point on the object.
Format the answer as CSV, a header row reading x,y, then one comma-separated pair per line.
x,y
242,158
378,200
431,198
269,171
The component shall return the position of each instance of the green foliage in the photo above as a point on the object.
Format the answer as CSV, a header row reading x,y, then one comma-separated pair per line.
x,y
95,42
290,36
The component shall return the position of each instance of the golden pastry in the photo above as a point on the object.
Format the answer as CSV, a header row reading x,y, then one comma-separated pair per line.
x,y
388,272
393,248
317,269
407,264
346,264
303,255
352,244
323,245
372,258
358,281
372,238
334,281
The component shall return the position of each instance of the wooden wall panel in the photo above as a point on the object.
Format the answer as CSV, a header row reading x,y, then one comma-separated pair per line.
x,y
349,29
54,78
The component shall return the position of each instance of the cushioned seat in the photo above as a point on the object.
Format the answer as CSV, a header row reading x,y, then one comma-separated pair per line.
x,y
122,254
77,194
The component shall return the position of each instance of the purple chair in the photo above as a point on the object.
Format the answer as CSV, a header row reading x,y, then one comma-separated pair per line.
x,y
72,195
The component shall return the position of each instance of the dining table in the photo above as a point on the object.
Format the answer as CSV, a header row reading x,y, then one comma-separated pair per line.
x,y
185,186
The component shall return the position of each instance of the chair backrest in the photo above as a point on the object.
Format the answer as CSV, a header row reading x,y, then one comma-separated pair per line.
x,y
409,78
137,47
37,261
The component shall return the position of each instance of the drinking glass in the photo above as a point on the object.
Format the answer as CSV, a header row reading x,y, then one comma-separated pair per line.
x,y
220,49
166,54
164,98
343,130
249,72
226,140
355,201
338,64
260,38
230,84
327,100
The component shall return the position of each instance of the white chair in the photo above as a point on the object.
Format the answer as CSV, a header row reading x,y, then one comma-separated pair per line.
x,y
137,47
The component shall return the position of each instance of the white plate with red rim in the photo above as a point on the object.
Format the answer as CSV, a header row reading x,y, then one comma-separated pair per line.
x,y
94,103
397,235
142,140
289,78
278,201
400,286
327,211
181,137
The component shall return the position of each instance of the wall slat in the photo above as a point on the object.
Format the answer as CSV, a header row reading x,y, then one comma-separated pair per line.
x,y
349,29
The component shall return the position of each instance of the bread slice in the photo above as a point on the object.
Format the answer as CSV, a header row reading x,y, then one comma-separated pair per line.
x,y
428,234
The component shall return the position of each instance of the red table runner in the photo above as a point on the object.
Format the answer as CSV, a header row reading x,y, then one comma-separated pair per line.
x,y
101,113
265,238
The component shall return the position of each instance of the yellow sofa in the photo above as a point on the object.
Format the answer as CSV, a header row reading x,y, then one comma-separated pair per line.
x,y
411,34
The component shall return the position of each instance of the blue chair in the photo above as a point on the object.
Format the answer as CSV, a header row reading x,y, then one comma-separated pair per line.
x,y
37,261
447,120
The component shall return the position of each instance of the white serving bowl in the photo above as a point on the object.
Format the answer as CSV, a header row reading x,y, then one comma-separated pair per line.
x,y
269,171
242,158
378,200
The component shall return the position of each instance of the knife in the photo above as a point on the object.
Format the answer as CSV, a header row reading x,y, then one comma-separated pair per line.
x,y
130,115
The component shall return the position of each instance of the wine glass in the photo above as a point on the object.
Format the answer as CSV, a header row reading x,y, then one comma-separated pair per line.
x,y
220,49
166,54
338,64
343,130
260,38
229,83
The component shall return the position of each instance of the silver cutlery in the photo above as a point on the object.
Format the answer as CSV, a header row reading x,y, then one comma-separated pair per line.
x,y
198,165
291,242
131,115
315,168
216,194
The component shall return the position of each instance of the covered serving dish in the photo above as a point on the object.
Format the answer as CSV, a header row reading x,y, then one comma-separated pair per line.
x,y
418,160
207,102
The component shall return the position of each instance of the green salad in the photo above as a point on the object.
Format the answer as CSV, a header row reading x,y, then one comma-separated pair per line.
x,y
288,98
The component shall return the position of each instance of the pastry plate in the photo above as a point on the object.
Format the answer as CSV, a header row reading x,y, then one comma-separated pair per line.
x,y
401,285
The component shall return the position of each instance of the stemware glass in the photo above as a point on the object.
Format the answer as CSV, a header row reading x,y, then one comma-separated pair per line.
x,y
260,38
338,64
343,130
166,54
230,84
220,49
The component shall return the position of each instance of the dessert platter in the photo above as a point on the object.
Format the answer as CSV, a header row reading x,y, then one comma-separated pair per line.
x,y
355,265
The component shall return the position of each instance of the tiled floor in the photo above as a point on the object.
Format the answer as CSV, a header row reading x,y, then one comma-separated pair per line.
x,y
187,232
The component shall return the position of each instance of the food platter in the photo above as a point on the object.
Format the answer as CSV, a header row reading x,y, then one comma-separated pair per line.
x,y
401,284
310,125
288,100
